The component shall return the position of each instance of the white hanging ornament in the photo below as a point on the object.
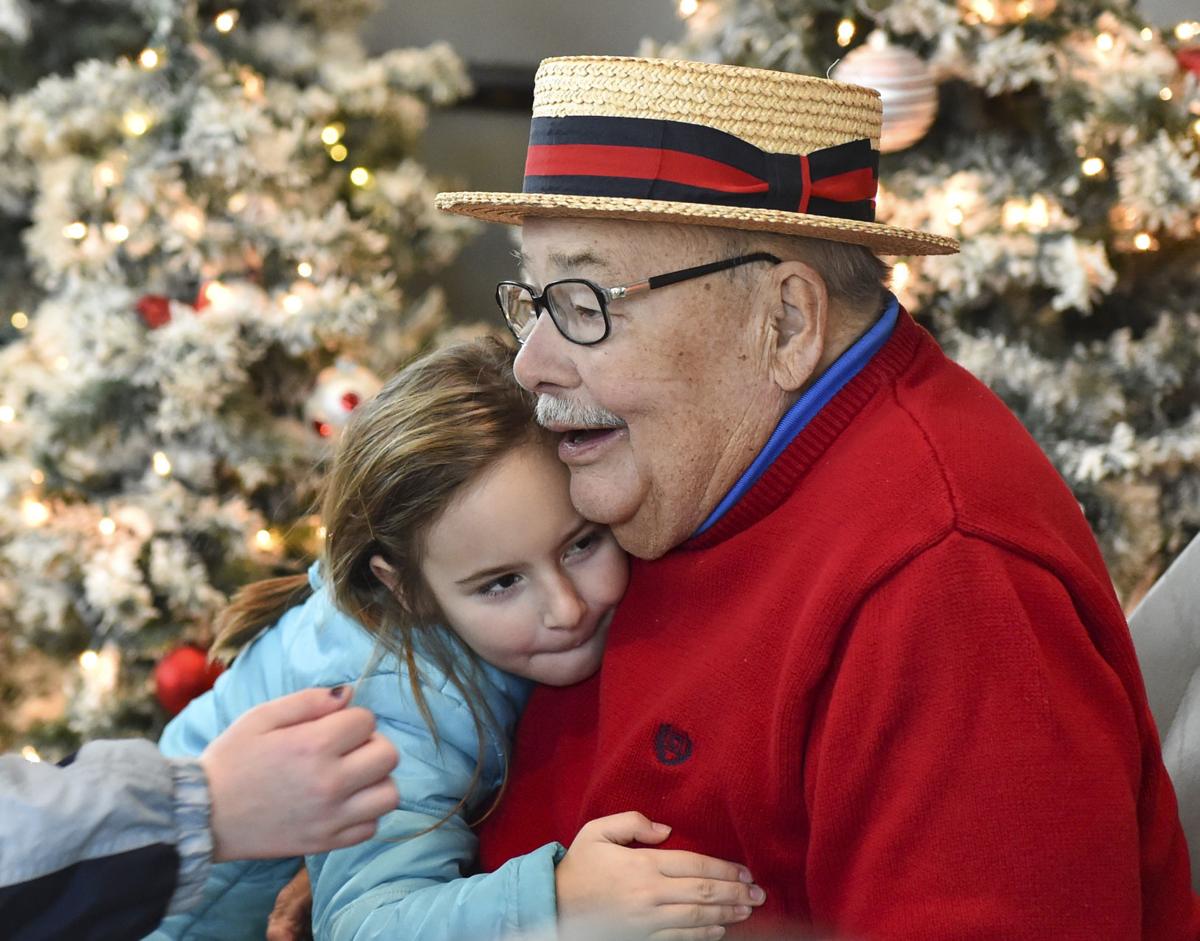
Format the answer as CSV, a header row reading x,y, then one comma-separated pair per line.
x,y
339,390
904,82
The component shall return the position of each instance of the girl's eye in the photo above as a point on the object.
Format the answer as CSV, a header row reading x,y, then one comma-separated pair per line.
x,y
498,586
584,544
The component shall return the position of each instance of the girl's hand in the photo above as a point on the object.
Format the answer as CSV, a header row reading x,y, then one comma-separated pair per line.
x,y
668,895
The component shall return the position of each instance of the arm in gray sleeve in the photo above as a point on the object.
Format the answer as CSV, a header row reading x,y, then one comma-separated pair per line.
x,y
106,846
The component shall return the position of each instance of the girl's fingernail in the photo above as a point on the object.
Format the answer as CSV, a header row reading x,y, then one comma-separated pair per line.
x,y
661,827
718,932
744,875
757,894
338,692
742,909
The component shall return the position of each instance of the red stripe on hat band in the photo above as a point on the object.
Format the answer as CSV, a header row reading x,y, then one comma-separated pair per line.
x,y
847,187
642,163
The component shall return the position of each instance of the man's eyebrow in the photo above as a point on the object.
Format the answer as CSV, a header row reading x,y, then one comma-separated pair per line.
x,y
565,262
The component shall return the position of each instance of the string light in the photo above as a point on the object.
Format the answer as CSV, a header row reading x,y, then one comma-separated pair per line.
x,y
136,123
29,753
89,660
1105,42
1013,214
34,512
900,275
1195,127
115,232
7,414
985,9
190,220
264,540
1187,30
1143,241
106,175
1166,94
107,526
62,364
1093,166
360,176
293,303
330,135
76,230
37,477
688,8
954,216
304,269
1147,34
845,32
338,153
225,22
20,320
1025,9
161,464
1038,216
216,293
149,59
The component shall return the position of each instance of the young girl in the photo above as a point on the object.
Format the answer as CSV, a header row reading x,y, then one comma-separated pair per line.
x,y
446,506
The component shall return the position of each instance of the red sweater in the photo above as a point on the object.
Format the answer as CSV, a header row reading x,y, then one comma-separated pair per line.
x,y
893,680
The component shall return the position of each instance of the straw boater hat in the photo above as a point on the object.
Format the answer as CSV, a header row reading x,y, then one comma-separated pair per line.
x,y
693,142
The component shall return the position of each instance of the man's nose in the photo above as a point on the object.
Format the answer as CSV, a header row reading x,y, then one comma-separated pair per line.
x,y
564,607
543,363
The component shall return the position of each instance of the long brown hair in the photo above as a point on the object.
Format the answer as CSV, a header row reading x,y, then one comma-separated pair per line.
x,y
403,457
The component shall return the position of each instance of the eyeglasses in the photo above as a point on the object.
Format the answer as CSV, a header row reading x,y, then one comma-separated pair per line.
x,y
579,308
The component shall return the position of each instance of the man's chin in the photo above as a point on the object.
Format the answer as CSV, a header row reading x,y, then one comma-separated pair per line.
x,y
601,498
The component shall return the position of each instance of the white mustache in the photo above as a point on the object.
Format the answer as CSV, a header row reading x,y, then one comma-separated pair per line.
x,y
555,411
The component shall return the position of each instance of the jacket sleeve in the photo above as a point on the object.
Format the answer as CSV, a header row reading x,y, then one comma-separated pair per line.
x,y
977,772
409,880
237,897
103,847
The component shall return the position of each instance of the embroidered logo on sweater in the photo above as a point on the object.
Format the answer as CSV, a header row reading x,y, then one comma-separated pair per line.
x,y
672,746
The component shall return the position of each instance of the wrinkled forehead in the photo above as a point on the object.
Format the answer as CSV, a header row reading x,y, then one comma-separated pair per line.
x,y
610,249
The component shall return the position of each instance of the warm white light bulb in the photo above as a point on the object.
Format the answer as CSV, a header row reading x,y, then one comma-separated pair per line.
x,y
1143,241
688,8
293,303
161,464
264,539
76,230
304,269
330,135
136,123
1166,94
149,59
8,414
107,526
89,660
225,22
20,320
338,153
845,32
29,753
1093,166
34,512
1105,42
360,176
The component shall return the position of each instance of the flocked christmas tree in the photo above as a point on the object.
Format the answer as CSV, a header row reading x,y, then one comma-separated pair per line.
x,y
211,211
1060,141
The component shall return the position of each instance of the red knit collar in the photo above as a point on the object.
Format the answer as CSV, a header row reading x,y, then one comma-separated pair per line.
x,y
815,439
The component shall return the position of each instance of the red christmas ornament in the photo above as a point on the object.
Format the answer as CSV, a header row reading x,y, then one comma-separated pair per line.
x,y
1189,59
155,310
182,675
350,401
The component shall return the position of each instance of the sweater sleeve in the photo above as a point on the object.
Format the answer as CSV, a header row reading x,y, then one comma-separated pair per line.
x,y
104,846
408,881
975,770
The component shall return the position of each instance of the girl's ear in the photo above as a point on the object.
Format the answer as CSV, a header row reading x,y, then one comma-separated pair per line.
x,y
383,571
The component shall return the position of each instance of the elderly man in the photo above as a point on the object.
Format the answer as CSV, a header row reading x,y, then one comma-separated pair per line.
x,y
870,649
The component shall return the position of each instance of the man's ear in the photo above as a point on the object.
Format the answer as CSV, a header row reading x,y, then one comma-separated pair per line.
x,y
383,571
796,313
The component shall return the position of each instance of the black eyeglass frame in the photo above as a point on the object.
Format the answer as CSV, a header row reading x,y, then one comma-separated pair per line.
x,y
604,295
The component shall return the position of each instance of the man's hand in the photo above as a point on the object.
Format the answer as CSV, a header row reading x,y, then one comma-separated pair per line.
x,y
300,774
291,918
663,894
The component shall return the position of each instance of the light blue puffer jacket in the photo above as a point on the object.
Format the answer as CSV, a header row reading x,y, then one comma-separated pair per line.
x,y
388,887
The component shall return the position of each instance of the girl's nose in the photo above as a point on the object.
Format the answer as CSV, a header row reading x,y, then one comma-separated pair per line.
x,y
564,608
